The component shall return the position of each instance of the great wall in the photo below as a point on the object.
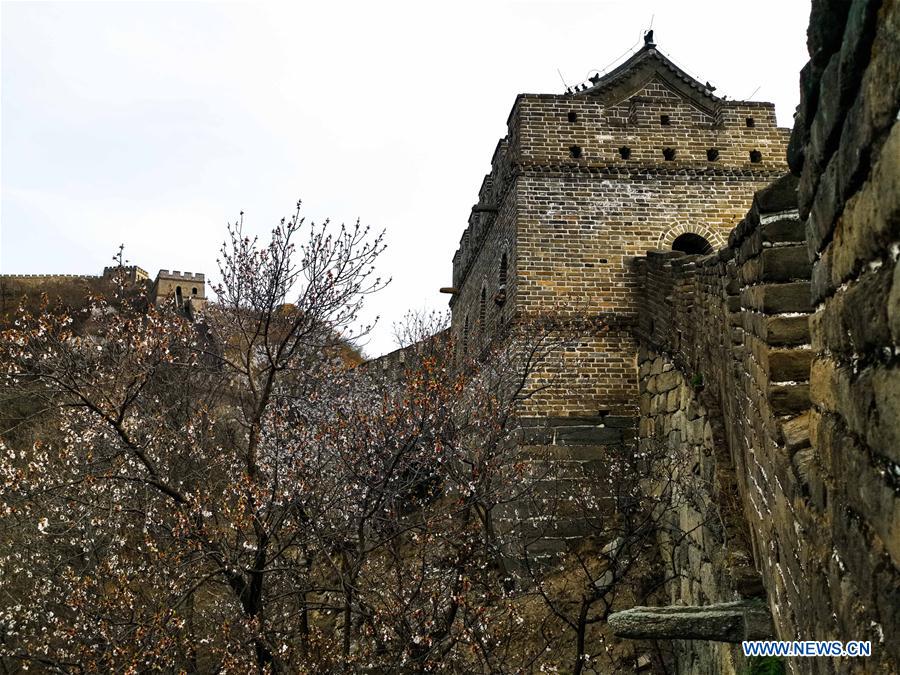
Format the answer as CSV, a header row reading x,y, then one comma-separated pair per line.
x,y
759,333
748,285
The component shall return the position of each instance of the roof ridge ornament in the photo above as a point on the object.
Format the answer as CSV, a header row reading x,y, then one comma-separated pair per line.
x,y
648,38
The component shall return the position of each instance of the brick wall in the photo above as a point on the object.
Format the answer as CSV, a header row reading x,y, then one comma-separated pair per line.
x,y
571,213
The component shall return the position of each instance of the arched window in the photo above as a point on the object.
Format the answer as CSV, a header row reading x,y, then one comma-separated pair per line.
x,y
691,243
179,299
194,291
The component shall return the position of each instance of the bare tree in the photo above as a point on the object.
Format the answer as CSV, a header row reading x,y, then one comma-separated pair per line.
x,y
167,503
233,494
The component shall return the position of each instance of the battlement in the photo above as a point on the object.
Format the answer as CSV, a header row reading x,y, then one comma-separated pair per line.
x,y
187,288
181,276
134,272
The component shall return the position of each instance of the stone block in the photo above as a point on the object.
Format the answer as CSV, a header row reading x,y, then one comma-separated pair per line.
x,y
825,33
789,364
821,278
786,330
788,398
785,263
893,306
787,228
853,57
871,219
535,436
824,211
827,328
795,432
780,195
620,421
667,381
673,400
824,131
801,462
865,311
723,622
778,298
799,136
696,431
875,106
882,431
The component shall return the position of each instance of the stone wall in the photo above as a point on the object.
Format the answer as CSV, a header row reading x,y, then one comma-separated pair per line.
x,y
729,333
787,341
762,396
771,364
713,561
70,288
850,189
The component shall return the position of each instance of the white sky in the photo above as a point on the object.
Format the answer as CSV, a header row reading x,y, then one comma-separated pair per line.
x,y
154,124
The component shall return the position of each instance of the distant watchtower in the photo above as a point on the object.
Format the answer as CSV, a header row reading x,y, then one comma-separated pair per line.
x,y
132,273
643,157
185,289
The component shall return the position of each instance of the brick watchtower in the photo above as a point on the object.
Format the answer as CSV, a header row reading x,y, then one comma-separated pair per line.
x,y
186,289
644,157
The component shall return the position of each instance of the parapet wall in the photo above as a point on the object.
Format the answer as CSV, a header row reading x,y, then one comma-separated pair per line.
x,y
789,389
177,275
734,328
788,339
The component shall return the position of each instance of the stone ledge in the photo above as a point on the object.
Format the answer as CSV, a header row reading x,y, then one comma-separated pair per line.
x,y
724,622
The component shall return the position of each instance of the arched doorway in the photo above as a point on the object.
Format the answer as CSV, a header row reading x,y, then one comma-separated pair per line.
x,y
691,243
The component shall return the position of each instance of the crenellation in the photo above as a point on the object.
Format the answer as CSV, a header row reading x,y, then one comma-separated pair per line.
x,y
186,289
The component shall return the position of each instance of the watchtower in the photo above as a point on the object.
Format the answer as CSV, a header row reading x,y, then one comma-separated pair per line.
x,y
643,157
132,273
185,289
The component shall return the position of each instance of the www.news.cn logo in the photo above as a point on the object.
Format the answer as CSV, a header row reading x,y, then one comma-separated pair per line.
x,y
806,648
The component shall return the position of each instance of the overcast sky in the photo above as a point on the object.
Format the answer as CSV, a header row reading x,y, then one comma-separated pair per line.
x,y
154,124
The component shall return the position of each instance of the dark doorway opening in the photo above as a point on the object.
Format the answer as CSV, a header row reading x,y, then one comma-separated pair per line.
x,y
691,243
